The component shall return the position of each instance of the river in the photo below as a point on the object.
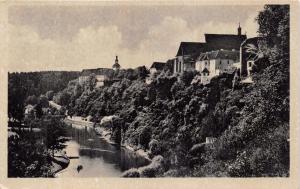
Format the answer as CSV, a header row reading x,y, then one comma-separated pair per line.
x,y
97,157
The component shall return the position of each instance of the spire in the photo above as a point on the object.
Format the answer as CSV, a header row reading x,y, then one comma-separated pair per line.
x,y
116,65
239,30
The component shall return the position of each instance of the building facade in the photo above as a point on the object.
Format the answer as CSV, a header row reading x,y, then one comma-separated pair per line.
x,y
189,51
214,63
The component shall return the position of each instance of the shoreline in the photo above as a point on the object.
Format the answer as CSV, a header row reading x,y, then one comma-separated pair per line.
x,y
59,163
105,134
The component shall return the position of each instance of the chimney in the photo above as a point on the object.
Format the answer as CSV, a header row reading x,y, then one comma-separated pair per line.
x,y
239,30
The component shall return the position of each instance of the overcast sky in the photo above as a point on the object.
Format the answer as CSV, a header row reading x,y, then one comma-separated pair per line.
x,y
78,37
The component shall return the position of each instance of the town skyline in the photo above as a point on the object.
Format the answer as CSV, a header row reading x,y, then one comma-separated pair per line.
x,y
47,38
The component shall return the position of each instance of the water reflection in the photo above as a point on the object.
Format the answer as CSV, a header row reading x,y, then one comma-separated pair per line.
x,y
97,157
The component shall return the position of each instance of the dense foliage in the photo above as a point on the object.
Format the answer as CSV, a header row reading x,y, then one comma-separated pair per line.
x,y
30,153
173,117
26,88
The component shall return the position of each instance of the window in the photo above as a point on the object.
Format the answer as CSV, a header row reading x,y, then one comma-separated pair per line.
x,y
228,61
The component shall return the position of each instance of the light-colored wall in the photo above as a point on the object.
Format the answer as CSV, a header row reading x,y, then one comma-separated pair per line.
x,y
200,65
99,84
82,79
179,62
215,67
224,65
153,71
101,77
205,79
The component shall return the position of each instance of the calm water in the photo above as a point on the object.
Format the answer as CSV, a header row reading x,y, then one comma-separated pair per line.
x,y
97,157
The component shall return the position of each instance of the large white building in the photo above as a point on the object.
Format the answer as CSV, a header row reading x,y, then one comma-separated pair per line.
x,y
214,63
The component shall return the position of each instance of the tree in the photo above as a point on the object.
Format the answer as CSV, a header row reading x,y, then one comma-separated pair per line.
x,y
54,133
50,95
43,101
33,100
62,98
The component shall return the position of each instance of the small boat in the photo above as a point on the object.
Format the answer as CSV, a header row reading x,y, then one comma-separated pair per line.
x,y
79,167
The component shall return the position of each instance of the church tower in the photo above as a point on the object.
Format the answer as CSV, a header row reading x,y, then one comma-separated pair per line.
x,y
116,65
239,30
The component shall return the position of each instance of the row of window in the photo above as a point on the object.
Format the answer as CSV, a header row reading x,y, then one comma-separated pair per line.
x,y
207,62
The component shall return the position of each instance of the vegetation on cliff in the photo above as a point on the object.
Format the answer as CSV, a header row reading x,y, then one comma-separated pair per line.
x,y
172,116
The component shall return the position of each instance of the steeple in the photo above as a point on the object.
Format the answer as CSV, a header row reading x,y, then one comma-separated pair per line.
x,y
116,61
239,30
116,65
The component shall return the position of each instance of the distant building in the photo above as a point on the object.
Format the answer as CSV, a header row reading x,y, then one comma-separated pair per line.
x,y
101,75
189,51
100,80
214,63
82,79
170,65
186,52
116,65
157,66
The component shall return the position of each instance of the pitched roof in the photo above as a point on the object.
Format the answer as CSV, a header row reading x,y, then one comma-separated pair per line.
x,y
158,65
188,48
224,41
205,70
222,54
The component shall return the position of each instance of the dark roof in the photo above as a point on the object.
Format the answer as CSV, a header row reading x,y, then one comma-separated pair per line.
x,y
205,70
224,41
158,65
222,54
97,71
192,58
188,48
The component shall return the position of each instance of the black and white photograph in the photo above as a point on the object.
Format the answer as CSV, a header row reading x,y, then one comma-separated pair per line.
x,y
135,90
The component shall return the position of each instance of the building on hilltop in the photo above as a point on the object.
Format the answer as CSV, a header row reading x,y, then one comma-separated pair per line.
x,y
214,63
116,65
185,52
189,51
157,66
102,75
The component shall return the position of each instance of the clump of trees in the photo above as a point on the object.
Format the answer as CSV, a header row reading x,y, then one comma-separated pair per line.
x,y
30,153
173,116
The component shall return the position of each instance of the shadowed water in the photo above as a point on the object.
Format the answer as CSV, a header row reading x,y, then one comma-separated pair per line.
x,y
97,157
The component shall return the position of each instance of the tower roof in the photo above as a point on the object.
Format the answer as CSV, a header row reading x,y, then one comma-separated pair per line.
x,y
116,64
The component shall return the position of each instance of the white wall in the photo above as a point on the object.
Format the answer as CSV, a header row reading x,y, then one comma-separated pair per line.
x,y
224,65
153,71
82,79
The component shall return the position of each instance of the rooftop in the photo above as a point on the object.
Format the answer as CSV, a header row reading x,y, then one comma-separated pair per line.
x,y
188,48
222,54
158,65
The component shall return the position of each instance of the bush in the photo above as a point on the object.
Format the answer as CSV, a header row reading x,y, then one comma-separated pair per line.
x,y
145,137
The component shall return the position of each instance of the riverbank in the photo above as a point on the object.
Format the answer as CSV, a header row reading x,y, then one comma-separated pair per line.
x,y
106,135
79,121
60,162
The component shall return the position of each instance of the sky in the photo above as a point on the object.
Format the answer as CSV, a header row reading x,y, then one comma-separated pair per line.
x,y
66,37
